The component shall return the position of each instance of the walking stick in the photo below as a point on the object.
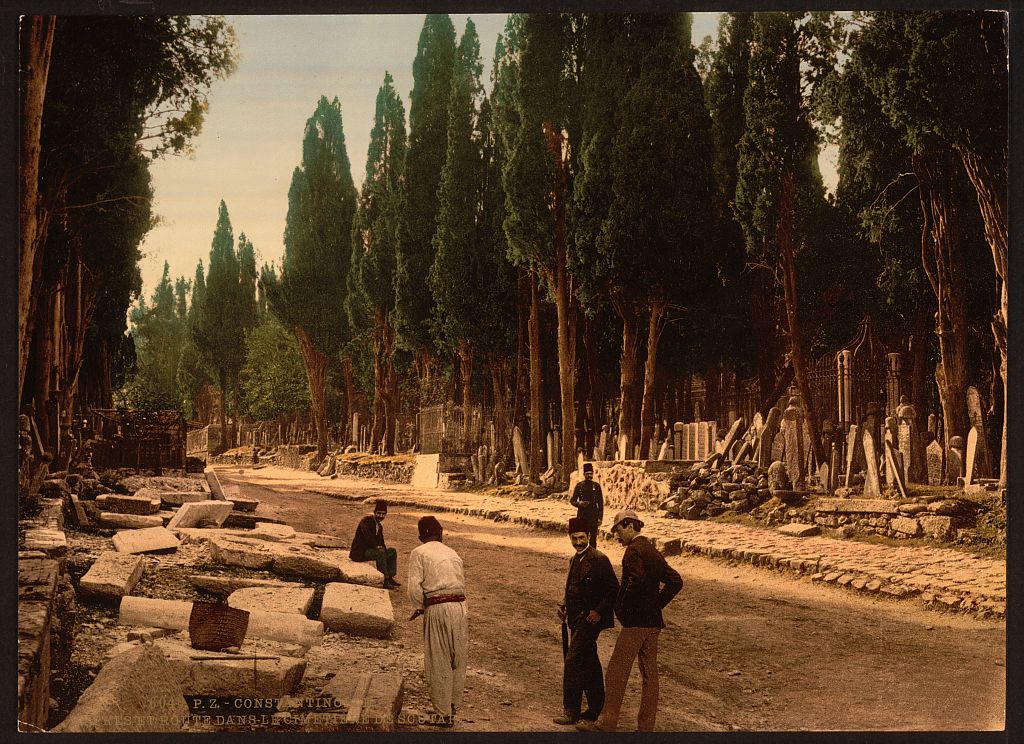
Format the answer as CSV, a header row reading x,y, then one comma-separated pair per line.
x,y
565,639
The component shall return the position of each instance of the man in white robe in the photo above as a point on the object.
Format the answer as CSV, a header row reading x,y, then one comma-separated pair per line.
x,y
437,588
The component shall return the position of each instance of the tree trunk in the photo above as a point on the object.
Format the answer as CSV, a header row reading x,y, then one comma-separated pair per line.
x,y
37,46
224,443
499,369
594,402
350,398
919,382
988,175
380,391
764,326
655,326
627,372
522,333
315,362
564,301
784,239
535,381
465,353
943,262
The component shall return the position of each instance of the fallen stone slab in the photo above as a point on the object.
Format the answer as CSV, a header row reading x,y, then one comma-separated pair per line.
x,y
79,511
326,565
246,521
139,690
274,672
243,504
200,513
357,610
273,532
148,540
130,521
148,634
113,575
230,551
799,530
372,701
51,541
225,585
321,541
267,599
216,489
174,614
173,498
857,506
115,502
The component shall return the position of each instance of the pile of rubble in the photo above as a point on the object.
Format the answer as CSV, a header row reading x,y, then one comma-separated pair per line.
x,y
291,587
707,492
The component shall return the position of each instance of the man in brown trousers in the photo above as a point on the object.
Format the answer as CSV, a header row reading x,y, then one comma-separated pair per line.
x,y
648,584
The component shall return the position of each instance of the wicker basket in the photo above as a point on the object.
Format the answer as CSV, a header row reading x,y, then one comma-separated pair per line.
x,y
213,627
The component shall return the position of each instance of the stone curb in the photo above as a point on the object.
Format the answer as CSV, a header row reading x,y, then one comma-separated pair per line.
x,y
818,570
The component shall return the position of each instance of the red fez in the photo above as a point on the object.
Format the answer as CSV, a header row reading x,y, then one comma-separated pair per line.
x,y
428,526
578,525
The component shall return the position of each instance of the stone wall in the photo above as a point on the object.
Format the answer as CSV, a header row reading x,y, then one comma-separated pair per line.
x,y
393,469
632,484
939,519
293,455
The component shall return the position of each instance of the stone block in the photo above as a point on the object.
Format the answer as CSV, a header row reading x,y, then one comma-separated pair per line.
x,y
244,504
129,521
240,552
148,540
225,585
321,541
217,674
80,516
268,599
908,526
273,532
934,526
53,542
115,502
799,530
138,690
113,575
857,506
216,489
173,498
372,702
174,614
200,513
326,565
357,610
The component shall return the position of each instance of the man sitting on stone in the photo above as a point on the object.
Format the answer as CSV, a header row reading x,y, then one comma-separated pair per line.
x,y
368,545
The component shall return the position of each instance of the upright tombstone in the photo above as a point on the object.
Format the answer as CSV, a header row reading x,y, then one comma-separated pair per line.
x,y
890,438
873,422
933,456
677,440
550,440
971,461
833,470
663,452
872,487
768,432
621,451
793,433
355,429
933,425
954,461
685,447
911,447
854,443
602,444
753,435
982,457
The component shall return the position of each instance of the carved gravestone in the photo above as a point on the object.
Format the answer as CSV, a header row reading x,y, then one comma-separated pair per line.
x,y
778,449
677,440
982,458
778,479
621,453
833,470
732,436
954,461
602,444
854,446
793,433
933,456
355,428
971,461
550,440
911,448
895,468
823,476
933,425
767,438
873,422
890,438
663,452
872,487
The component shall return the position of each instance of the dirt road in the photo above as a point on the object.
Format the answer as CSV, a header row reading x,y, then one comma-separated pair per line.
x,y
745,649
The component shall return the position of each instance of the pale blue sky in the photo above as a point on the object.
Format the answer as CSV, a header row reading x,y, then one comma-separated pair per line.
x,y
252,137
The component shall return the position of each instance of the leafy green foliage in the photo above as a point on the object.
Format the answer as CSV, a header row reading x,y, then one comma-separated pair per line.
x,y
273,379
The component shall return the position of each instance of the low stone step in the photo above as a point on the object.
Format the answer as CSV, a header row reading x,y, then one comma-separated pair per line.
x,y
113,575
357,610
115,502
201,513
266,599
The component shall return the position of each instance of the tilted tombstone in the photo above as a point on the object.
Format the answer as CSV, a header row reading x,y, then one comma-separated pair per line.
x,y
793,432
663,452
954,461
895,468
732,436
872,487
519,450
767,438
934,457
891,438
853,441
982,458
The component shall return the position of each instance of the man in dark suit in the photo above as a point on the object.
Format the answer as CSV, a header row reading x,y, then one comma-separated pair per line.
x,y
648,584
589,502
368,545
586,610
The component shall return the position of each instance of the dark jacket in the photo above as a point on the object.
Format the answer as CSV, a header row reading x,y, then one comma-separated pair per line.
x,y
589,501
641,594
366,537
597,588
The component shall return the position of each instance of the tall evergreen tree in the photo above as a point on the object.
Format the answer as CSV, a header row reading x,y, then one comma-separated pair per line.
x,y
375,241
217,327
428,126
309,295
158,333
456,277
193,376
